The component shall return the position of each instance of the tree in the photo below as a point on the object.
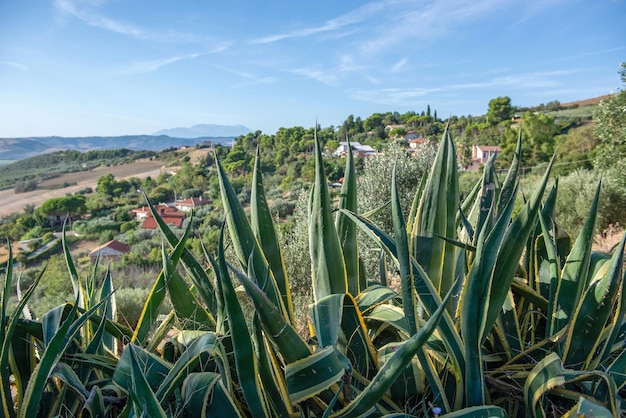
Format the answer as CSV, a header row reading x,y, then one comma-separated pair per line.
x,y
72,205
499,109
610,118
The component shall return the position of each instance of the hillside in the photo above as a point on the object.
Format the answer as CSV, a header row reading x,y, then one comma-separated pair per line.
x,y
14,149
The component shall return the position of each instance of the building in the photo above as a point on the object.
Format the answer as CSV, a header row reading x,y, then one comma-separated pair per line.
x,y
144,211
187,205
170,215
482,153
357,149
417,142
110,251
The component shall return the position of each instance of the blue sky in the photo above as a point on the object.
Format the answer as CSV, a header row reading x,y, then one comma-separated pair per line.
x,y
114,67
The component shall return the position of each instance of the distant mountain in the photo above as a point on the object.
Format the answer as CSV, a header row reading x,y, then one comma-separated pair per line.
x,y
14,149
205,130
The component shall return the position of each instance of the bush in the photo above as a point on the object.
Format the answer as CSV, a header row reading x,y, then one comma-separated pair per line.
x,y
576,191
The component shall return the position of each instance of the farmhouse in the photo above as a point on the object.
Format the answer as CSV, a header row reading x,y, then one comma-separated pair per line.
x,y
111,251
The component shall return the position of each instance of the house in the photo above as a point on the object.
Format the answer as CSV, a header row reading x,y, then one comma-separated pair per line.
x,y
482,153
411,135
144,211
187,205
170,218
417,142
357,149
111,251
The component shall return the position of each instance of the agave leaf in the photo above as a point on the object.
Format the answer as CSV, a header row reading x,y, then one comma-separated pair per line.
x,y
204,395
426,292
326,315
586,408
79,293
314,374
263,228
143,399
244,353
544,376
54,350
150,311
406,275
617,331
592,313
198,276
155,368
329,269
486,411
392,316
109,310
346,228
373,296
8,328
393,368
437,215
94,404
196,354
359,347
245,243
573,276
280,332
512,247
65,373
271,375
188,310
95,343
588,378
509,186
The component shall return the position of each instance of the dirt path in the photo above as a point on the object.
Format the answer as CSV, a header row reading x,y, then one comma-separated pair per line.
x,y
11,202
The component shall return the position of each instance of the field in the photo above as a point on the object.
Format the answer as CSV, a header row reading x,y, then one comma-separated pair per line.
x,y
11,202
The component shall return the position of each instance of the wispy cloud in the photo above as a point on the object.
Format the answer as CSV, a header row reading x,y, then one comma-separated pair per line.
x,y
16,65
149,66
358,15
87,12
399,96
250,78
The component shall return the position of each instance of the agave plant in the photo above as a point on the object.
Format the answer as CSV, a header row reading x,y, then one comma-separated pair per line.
x,y
496,315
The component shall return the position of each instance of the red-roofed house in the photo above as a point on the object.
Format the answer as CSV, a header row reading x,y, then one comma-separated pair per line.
x,y
417,142
144,211
482,153
112,251
187,205
170,218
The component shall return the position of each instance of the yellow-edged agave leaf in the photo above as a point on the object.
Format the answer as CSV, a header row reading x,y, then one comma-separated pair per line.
x,y
316,373
393,368
611,400
326,315
50,357
246,246
328,266
390,315
271,375
145,404
189,312
509,185
586,408
263,228
346,229
436,216
109,310
592,313
277,329
486,411
544,376
203,348
359,347
243,349
154,368
373,296
79,293
425,290
150,312
574,273
618,333
407,287
67,375
411,382
201,282
205,396
8,347
511,249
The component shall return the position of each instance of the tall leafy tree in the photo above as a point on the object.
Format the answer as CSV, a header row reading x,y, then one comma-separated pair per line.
x,y
499,109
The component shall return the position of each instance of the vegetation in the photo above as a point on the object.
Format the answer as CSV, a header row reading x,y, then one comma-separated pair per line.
x,y
495,315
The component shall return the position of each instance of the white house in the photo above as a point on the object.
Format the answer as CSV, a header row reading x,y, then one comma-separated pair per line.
x,y
357,149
